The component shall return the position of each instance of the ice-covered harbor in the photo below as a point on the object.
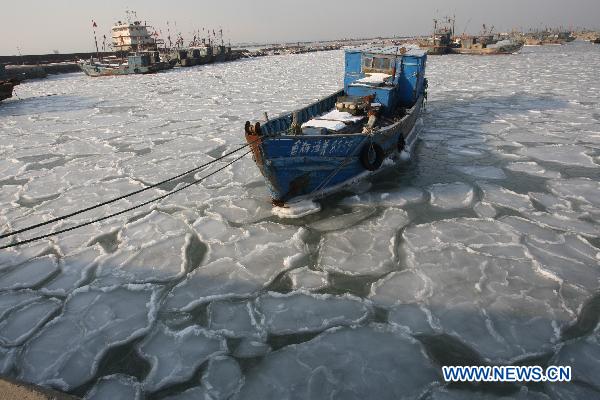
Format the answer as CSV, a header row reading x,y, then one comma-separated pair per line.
x,y
483,249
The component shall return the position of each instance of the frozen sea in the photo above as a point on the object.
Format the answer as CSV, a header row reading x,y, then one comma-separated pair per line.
x,y
484,248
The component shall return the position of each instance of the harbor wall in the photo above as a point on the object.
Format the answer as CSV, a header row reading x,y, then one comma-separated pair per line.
x,y
41,65
35,59
22,72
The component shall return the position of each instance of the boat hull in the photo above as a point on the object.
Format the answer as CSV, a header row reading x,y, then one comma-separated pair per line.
x,y
488,51
301,167
99,70
6,88
436,50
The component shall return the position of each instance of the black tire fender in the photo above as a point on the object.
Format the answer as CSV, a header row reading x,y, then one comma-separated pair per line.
x,y
371,156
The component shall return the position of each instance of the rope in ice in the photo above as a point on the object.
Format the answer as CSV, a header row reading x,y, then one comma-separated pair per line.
x,y
128,209
63,217
14,244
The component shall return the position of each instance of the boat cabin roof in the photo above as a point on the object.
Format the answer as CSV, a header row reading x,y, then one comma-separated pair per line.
x,y
388,50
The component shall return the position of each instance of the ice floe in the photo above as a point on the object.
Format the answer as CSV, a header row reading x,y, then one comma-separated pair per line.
x,y
449,196
484,210
571,155
365,249
303,312
223,378
175,355
220,279
233,319
240,261
502,197
532,168
249,348
400,198
483,172
7,360
29,274
195,393
116,387
368,362
340,221
67,351
22,322
74,271
308,279
445,393
583,356
497,292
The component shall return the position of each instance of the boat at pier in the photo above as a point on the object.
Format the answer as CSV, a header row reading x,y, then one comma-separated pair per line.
x,y
6,85
486,45
203,54
135,63
6,88
139,50
440,41
203,50
347,136
548,38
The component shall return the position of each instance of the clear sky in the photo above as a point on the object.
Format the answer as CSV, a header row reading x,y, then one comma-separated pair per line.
x,y
41,26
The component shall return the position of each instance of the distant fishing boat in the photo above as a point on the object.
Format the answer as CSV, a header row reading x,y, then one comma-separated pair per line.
x,y
135,63
440,41
486,45
548,38
6,85
203,53
6,88
134,39
347,136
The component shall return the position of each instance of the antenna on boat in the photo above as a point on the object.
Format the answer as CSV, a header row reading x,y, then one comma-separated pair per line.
x,y
94,26
394,68
169,35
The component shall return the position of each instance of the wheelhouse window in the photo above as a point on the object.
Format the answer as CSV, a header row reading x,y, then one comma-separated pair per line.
x,y
377,64
381,63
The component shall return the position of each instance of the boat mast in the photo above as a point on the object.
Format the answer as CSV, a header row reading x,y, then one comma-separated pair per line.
x,y
94,26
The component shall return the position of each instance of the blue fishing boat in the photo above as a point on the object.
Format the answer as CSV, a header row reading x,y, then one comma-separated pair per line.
x,y
348,135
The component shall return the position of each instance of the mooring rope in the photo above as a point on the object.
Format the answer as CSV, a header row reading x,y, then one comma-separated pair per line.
x,y
14,244
63,217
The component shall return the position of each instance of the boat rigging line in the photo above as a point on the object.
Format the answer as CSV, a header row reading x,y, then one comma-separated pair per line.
x,y
63,217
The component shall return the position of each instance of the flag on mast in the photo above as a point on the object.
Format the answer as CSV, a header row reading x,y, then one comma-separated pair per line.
x,y
94,26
